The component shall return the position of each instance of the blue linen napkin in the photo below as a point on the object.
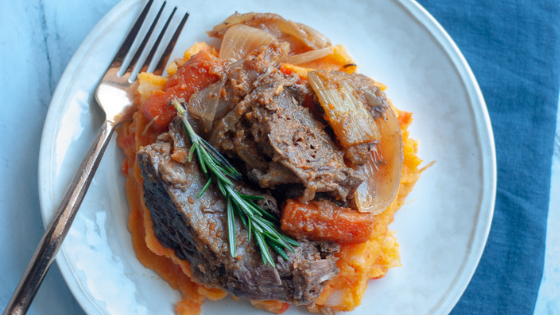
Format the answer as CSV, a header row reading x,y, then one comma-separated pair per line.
x,y
513,48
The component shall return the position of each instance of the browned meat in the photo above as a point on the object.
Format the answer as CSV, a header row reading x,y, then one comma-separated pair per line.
x,y
196,229
291,137
278,139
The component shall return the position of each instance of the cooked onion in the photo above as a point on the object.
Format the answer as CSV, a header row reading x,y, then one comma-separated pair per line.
x,y
310,37
204,104
318,39
240,40
383,171
276,25
232,20
350,120
309,56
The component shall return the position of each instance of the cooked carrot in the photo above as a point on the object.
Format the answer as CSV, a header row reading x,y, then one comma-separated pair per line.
x,y
324,221
190,78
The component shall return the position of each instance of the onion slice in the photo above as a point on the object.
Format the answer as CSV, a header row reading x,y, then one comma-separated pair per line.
x,y
319,40
275,25
204,104
305,34
240,40
383,170
349,118
232,20
309,56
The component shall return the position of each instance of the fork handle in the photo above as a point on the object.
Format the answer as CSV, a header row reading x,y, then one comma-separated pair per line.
x,y
60,224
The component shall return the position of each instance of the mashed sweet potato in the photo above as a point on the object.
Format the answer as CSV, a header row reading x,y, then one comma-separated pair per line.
x,y
358,263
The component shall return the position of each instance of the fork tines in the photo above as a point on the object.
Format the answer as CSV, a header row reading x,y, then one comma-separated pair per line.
x,y
139,60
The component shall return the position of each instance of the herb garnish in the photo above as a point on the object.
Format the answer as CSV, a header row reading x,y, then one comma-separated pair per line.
x,y
259,222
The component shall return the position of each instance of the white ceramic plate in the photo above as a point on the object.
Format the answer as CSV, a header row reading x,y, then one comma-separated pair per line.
x,y
442,229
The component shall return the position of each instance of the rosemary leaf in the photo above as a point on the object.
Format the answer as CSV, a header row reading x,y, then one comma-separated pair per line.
x,y
222,189
250,226
264,249
204,188
263,212
251,197
290,240
231,228
201,161
280,244
279,250
240,214
191,152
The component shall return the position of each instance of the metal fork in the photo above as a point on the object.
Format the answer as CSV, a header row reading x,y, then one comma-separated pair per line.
x,y
115,95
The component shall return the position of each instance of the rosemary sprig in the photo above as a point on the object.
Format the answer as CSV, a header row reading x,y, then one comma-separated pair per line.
x,y
260,224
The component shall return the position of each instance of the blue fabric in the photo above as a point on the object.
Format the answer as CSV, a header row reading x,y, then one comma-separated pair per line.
x,y
513,48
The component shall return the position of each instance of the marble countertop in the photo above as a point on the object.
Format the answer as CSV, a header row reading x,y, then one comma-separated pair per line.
x,y
34,52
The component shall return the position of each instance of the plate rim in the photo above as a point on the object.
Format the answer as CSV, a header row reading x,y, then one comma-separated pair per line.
x,y
473,89
44,151
435,30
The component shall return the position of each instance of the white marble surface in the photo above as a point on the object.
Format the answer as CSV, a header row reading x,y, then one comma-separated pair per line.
x,y
38,39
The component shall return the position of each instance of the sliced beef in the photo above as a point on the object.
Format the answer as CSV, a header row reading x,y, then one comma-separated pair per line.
x,y
279,139
196,229
291,137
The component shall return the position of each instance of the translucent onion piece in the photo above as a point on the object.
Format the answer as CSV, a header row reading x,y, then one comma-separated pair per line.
x,y
275,25
318,39
224,106
310,37
383,171
240,40
204,104
232,20
350,120
308,56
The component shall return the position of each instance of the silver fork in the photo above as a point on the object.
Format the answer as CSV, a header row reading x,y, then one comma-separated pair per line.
x,y
115,95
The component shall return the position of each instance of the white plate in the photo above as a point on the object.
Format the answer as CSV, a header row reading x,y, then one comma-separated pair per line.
x,y
442,230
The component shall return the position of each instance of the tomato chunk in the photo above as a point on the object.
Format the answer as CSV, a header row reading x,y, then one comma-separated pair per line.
x,y
325,221
190,78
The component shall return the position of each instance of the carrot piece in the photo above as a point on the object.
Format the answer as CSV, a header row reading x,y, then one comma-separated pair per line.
x,y
190,78
325,221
